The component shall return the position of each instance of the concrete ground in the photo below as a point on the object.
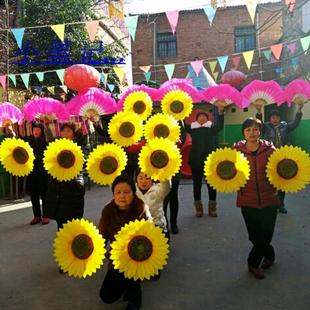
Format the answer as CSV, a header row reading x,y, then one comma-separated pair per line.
x,y
206,269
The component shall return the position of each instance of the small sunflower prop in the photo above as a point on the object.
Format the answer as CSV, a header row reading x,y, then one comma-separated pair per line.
x,y
162,126
105,163
160,159
125,128
227,170
288,169
177,103
79,248
140,250
16,156
140,103
63,159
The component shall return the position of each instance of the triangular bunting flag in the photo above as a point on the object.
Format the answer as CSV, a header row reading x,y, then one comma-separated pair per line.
x,y
277,50
13,78
295,61
212,65
111,87
251,6
273,60
145,68
25,78
59,30
131,24
305,43
210,11
18,34
197,66
222,61
104,78
248,57
169,70
235,62
267,54
173,17
51,89
3,81
215,75
91,28
120,72
60,74
290,4
147,75
291,47
40,76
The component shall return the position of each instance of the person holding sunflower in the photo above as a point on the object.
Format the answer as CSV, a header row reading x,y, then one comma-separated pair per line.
x,y
258,199
203,133
124,208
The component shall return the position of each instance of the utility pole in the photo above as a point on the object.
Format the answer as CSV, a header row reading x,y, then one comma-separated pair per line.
x,y
7,8
258,45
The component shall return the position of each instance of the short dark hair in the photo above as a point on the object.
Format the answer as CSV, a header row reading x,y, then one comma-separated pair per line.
x,y
249,122
274,112
68,125
123,178
202,113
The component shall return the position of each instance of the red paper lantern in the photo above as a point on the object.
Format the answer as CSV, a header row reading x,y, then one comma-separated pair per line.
x,y
81,77
234,78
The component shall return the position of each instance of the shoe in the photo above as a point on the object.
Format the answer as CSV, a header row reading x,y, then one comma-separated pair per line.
x,y
45,220
257,272
199,208
174,229
212,208
35,220
267,263
282,210
61,271
156,277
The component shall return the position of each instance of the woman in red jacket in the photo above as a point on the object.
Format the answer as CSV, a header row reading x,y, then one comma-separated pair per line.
x,y
258,200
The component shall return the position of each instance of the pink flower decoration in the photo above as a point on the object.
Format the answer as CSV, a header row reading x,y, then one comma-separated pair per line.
x,y
10,113
297,91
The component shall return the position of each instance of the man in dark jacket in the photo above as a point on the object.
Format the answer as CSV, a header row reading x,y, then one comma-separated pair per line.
x,y
278,131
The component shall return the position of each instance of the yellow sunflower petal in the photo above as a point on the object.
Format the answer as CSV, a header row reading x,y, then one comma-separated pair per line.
x,y
140,250
160,159
140,103
227,170
177,103
105,163
162,126
125,128
288,169
63,159
79,248
16,156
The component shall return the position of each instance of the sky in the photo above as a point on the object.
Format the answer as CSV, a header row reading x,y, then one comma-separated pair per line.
x,y
155,6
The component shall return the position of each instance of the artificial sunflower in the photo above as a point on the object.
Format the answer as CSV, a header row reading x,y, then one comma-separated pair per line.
x,y
16,156
140,103
105,163
140,250
227,170
162,126
288,169
160,159
79,248
63,159
125,128
177,103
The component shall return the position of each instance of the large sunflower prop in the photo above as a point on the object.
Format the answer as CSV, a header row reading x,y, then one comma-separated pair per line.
x,y
140,250
140,103
162,126
125,128
160,159
288,169
105,163
16,156
227,170
79,248
63,159
177,103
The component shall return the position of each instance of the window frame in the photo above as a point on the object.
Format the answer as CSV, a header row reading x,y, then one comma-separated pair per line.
x,y
244,36
159,41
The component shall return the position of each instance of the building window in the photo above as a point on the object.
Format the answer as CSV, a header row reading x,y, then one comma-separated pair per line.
x,y
245,39
166,45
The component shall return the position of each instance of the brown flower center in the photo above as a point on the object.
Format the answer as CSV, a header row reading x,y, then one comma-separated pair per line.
x,y
20,155
139,107
226,170
127,129
159,159
66,159
177,106
82,246
161,131
287,169
108,165
140,248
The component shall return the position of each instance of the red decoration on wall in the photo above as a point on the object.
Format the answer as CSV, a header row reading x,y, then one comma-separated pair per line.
x,y
234,78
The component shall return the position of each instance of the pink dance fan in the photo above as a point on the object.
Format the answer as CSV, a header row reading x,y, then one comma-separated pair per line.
x,y
181,84
263,92
298,91
45,108
10,114
93,103
223,95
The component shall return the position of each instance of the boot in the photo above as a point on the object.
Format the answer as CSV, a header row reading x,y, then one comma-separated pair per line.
x,y
212,208
199,208
257,272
